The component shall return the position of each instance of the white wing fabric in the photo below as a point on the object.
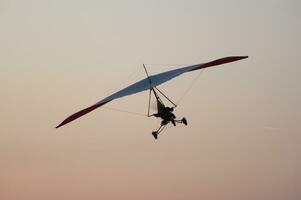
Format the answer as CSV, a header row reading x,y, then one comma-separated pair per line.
x,y
145,84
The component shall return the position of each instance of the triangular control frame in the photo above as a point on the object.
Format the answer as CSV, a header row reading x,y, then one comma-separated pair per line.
x,y
155,90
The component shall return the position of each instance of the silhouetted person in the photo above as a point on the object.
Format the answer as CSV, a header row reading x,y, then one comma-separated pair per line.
x,y
165,113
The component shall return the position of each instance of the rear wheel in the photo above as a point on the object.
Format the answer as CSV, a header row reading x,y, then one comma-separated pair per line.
x,y
155,134
184,121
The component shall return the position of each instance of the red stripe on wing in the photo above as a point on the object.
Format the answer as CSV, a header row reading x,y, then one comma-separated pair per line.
x,y
220,61
80,113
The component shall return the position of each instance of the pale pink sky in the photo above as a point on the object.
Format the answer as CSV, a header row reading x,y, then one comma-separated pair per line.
x,y
57,57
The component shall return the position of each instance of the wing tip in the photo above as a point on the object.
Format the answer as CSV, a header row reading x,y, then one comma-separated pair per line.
x,y
58,126
225,60
243,57
69,119
233,58
220,61
80,113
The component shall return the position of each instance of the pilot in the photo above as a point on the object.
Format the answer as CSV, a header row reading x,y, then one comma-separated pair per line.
x,y
167,115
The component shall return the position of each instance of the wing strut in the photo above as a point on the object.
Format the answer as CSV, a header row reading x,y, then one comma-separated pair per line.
x,y
153,89
150,91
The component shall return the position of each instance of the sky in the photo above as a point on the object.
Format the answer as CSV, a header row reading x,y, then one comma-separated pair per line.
x,y
242,141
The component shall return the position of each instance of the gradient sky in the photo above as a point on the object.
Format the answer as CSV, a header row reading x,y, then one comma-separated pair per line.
x,y
242,142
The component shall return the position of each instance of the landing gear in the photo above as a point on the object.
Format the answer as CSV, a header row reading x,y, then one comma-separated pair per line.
x,y
164,123
155,134
184,121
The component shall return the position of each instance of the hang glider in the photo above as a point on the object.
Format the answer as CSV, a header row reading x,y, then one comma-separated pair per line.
x,y
150,83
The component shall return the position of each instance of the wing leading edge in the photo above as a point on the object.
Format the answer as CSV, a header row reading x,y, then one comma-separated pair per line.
x,y
144,84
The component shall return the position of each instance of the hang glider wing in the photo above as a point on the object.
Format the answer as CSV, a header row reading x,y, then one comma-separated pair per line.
x,y
145,84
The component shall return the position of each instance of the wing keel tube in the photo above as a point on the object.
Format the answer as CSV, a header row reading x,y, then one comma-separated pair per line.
x,y
81,113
